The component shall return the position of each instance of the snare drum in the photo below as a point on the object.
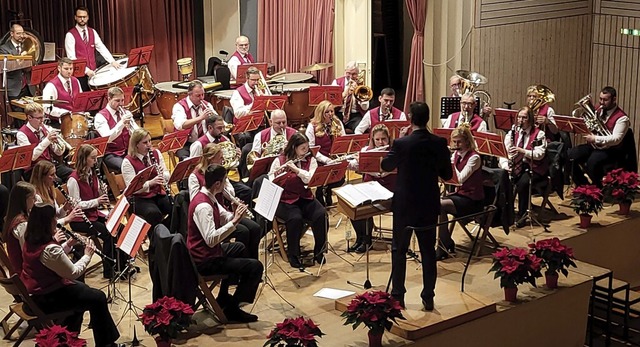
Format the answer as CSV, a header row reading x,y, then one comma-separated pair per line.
x,y
167,96
221,99
74,128
298,110
108,76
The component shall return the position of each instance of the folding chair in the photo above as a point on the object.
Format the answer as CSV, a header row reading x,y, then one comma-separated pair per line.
x,y
205,295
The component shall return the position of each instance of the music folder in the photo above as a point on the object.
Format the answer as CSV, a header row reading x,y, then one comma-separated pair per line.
x,y
133,235
116,215
139,180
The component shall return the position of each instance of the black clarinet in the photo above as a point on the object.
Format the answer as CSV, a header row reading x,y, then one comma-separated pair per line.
x,y
514,128
160,170
73,204
76,237
102,187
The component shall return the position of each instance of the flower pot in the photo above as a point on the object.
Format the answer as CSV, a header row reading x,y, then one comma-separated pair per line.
x,y
375,337
624,206
551,278
160,342
585,220
511,294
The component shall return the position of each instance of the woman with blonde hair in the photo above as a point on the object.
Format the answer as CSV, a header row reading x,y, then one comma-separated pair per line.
x,y
43,177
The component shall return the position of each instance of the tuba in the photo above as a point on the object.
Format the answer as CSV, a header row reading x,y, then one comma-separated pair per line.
x,y
230,157
470,82
588,112
545,96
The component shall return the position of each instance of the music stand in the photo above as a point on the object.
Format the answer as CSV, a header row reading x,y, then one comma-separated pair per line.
x,y
241,74
573,125
99,143
490,144
247,123
395,126
139,180
16,158
369,161
504,118
268,103
43,73
139,56
90,101
79,65
445,133
260,167
183,169
333,94
451,104
173,141
348,144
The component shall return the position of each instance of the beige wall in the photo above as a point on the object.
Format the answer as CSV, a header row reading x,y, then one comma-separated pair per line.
x,y
221,26
352,35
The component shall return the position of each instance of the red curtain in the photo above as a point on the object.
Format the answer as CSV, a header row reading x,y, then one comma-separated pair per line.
x,y
122,25
417,10
294,34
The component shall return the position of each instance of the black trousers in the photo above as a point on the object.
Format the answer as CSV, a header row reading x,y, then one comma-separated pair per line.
x,y
184,152
108,244
242,167
352,123
294,216
249,234
152,209
324,193
363,229
522,189
593,161
80,298
113,162
242,191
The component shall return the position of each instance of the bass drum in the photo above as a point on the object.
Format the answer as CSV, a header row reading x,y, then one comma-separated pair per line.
x,y
167,96
107,76
33,44
74,128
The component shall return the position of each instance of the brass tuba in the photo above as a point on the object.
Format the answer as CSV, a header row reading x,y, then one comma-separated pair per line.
x,y
588,112
470,82
230,157
544,96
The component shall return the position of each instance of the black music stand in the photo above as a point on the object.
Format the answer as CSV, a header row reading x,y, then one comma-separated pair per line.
x,y
451,104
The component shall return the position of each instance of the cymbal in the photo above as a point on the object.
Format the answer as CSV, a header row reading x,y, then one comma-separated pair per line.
x,y
316,67
49,101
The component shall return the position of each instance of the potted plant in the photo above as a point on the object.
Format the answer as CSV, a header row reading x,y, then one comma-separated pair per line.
x,y
586,200
621,186
166,318
555,257
294,332
58,336
515,266
377,310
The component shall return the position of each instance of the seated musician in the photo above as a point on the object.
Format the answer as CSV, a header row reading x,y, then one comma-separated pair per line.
x,y
469,195
151,201
379,140
43,178
526,147
17,80
51,278
321,131
248,232
63,87
241,56
455,83
608,149
209,224
242,100
543,113
49,141
385,112
466,115
116,123
191,113
291,171
21,200
349,82
213,134
84,189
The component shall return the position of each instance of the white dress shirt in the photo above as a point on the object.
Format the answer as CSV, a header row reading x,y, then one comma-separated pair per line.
x,y
102,126
128,172
311,135
56,259
365,123
237,102
194,186
23,140
474,163
447,124
304,175
195,150
178,116
537,153
74,193
233,64
51,93
70,45
203,217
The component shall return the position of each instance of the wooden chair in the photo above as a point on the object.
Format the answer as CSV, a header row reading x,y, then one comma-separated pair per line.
x,y
279,229
114,180
205,295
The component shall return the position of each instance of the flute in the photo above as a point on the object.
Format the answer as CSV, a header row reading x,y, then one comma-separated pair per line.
x,y
83,243
73,204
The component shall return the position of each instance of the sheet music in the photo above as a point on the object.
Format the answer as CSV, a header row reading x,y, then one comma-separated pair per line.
x,y
268,199
116,214
133,233
357,194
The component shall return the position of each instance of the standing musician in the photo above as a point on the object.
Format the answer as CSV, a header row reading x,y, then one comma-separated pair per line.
x,y
82,42
378,140
609,149
543,113
291,171
49,144
468,197
248,232
209,224
213,134
241,56
21,200
151,201
385,112
349,82
420,159
17,80
322,130
466,115
192,113
116,123
84,189
526,146
51,278
63,87
43,178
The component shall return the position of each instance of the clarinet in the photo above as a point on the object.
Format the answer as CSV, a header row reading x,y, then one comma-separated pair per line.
x,y
102,187
167,189
514,128
81,241
73,203
234,200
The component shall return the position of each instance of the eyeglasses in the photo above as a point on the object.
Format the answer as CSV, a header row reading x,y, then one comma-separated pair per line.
x,y
243,45
467,103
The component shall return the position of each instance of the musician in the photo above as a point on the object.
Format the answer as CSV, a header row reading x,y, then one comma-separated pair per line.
x,y
151,201
379,139
610,149
469,195
322,130
82,42
467,107
209,224
84,188
241,56
544,114
349,82
21,200
191,113
242,98
63,87
291,171
116,123
526,147
384,112
17,80
215,128
455,83
50,278
43,178
420,159
47,140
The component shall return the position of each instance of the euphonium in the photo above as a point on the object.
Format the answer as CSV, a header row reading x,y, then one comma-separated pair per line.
x,y
588,112
544,96
472,80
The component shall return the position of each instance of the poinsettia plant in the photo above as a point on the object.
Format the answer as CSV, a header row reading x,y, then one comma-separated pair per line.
x,y
586,199
58,336
555,256
378,310
166,317
515,266
621,185
294,332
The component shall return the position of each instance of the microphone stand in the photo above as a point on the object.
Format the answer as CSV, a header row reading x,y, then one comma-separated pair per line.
x,y
529,214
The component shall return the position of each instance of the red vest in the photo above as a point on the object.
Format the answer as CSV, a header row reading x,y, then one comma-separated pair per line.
x,y
325,141
265,135
204,140
38,278
246,97
341,82
138,166
120,145
198,248
541,167
472,187
475,121
85,50
13,245
375,116
87,192
241,59
63,94
187,111
611,122
293,186
33,139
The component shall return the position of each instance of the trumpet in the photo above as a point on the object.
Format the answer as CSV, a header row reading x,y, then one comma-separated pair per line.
x,y
126,115
59,142
234,200
160,170
81,240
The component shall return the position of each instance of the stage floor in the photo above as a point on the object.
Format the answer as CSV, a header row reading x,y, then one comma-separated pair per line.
x,y
271,309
